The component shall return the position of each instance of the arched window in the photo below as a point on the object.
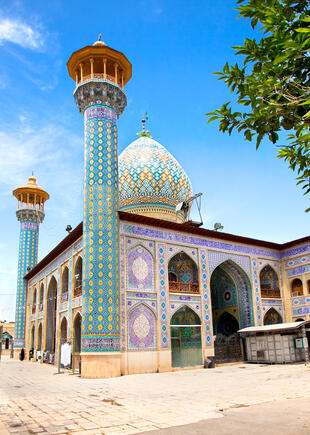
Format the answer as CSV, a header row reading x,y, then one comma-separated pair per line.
x,y
308,286
34,300
77,334
40,337
183,274
272,317
41,299
78,274
64,284
269,283
63,330
186,338
51,309
32,338
76,358
297,289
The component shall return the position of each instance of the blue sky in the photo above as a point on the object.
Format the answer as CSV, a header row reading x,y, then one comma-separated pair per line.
x,y
174,47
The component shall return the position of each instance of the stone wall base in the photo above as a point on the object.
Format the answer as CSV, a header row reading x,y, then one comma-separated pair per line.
x,y
100,365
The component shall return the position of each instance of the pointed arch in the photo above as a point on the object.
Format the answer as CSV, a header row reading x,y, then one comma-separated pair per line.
x,y
140,269
63,330
34,300
227,324
39,338
78,277
269,282
77,328
64,284
141,328
41,297
32,337
272,317
185,327
183,274
297,287
51,308
231,291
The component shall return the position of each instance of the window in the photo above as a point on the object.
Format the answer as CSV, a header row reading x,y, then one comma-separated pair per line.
x,y
183,274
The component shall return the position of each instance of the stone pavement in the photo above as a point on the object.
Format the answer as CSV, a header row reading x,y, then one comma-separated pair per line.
x,y
35,399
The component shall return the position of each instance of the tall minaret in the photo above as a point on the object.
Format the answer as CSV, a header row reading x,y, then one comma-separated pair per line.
x,y
100,74
30,213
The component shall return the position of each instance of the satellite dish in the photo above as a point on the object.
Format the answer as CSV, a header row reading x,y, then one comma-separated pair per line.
x,y
179,207
185,206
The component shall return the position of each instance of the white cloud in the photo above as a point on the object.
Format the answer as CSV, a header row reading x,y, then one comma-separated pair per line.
x,y
21,34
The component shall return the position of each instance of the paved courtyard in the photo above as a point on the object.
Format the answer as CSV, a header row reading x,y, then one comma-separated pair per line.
x,y
35,399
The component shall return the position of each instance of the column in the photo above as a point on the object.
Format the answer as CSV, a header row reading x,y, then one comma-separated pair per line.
x,y
100,353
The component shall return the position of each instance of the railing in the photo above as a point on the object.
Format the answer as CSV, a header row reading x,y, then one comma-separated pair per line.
x,y
270,293
183,287
64,297
77,291
99,76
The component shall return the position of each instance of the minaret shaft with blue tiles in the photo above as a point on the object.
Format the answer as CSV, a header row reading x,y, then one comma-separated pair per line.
x,y
100,74
30,213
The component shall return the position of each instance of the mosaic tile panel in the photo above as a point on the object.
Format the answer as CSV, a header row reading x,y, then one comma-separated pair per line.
x,y
140,270
163,297
175,237
141,328
298,271
175,306
276,305
100,320
132,242
152,304
215,258
301,300
27,257
123,294
302,311
257,298
295,251
206,299
297,261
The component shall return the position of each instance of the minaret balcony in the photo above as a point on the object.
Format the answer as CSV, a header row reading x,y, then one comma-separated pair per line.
x,y
183,287
100,77
270,293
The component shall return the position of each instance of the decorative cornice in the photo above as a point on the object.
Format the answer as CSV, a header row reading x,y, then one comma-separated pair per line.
x,y
100,92
26,214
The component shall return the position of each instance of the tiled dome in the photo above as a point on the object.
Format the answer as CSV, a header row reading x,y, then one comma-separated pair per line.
x,y
150,176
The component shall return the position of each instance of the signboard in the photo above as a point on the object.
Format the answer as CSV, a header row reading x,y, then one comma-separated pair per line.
x,y
299,343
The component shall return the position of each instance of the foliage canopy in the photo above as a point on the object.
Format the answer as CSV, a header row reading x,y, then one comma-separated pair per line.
x,y
273,83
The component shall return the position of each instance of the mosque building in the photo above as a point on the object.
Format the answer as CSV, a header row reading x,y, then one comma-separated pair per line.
x,y
137,288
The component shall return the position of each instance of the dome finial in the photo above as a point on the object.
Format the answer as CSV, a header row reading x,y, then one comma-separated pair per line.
x,y
144,132
99,42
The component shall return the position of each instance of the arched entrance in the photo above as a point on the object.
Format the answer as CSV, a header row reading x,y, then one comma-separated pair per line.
x,y
186,338
227,324
51,308
232,309
76,342
272,317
